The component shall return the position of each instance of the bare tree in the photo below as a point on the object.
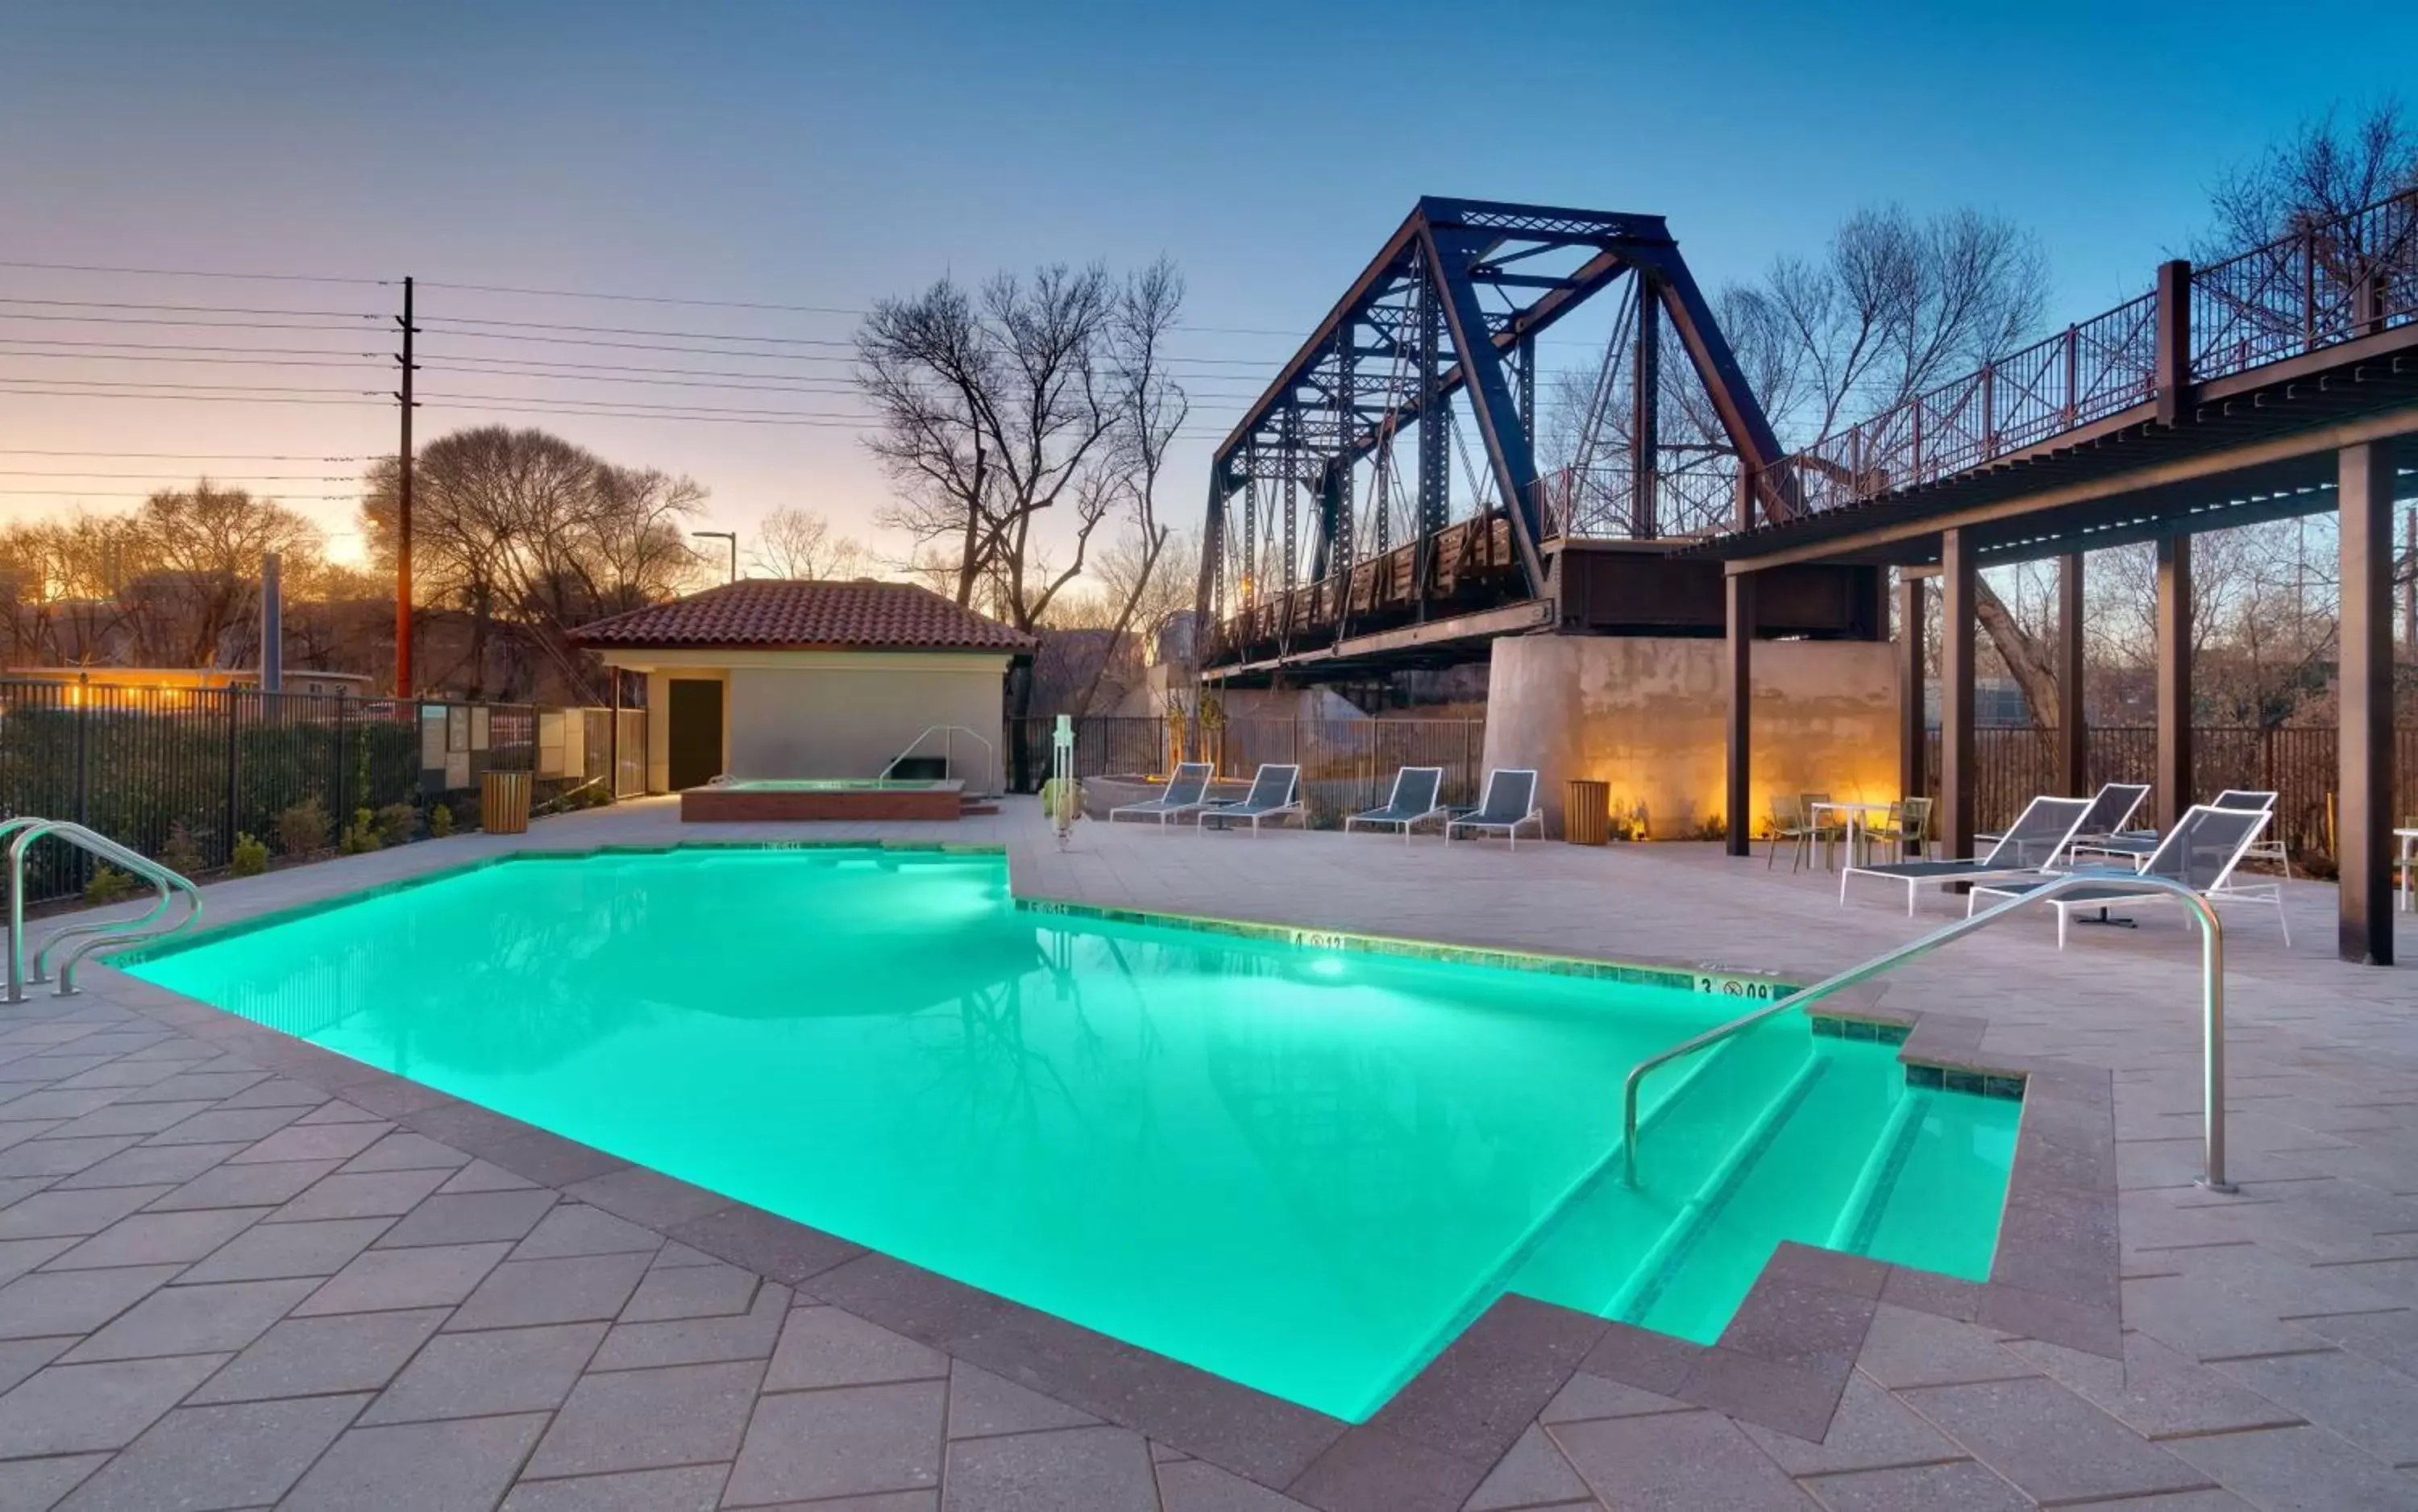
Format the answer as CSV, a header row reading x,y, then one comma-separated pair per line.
x,y
533,536
1150,407
994,410
2324,172
798,543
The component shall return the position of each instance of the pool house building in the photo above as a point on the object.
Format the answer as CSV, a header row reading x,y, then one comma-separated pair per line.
x,y
772,679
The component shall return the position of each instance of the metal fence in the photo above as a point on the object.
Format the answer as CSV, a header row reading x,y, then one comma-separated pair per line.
x,y
141,764
2297,765
1346,764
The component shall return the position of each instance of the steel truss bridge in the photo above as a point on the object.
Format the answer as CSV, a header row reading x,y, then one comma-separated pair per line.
x,y
1332,546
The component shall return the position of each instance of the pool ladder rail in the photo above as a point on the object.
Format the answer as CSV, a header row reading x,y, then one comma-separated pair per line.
x,y
949,734
105,934
2212,1006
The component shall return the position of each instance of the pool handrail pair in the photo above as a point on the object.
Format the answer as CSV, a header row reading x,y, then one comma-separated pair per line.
x,y
22,833
949,755
2212,1008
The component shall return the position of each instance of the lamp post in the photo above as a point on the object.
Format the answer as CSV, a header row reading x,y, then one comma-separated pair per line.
x,y
731,536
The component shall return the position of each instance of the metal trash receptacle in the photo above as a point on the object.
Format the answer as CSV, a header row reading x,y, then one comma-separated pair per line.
x,y
1586,812
504,803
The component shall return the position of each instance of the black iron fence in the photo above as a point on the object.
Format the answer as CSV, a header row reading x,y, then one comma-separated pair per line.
x,y
2297,765
1346,764
145,764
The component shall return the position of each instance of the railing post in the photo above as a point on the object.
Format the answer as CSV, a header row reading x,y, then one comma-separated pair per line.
x,y
2308,291
2072,376
1989,410
234,754
2174,340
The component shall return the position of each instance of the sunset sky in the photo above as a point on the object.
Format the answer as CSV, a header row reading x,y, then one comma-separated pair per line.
x,y
822,156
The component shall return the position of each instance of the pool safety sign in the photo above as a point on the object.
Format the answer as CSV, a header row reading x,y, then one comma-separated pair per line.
x,y
1756,988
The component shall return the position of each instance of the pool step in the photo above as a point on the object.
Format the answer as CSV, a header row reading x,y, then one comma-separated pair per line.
x,y
970,807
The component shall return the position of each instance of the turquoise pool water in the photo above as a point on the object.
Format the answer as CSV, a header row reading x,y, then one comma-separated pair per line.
x,y
1301,1168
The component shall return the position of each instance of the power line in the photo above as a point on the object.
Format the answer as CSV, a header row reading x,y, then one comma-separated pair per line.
x,y
219,387
232,477
645,298
186,456
191,272
614,414
202,325
208,399
182,346
187,309
104,492
632,404
361,361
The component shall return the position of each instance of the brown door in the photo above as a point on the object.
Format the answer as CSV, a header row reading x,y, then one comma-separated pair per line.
x,y
695,757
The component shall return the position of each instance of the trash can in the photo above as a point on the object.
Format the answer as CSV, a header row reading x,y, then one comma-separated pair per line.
x,y
504,803
1586,812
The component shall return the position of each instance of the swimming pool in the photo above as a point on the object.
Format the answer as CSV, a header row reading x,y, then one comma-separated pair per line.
x,y
1301,1167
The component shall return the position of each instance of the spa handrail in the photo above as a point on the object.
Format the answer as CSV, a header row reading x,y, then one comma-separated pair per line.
x,y
22,833
2211,1002
990,753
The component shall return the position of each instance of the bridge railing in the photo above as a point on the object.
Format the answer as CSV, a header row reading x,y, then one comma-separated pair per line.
x,y
2324,285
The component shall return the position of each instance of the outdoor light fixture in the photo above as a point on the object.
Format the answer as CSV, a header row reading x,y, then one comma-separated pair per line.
x,y
731,536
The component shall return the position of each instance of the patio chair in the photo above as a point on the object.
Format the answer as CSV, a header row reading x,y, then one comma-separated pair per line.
x,y
1185,793
2031,848
1907,828
1790,822
2111,808
2131,848
1509,801
1412,802
1275,791
1828,829
2201,852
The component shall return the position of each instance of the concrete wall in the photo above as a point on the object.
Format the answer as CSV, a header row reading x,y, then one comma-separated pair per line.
x,y
829,713
1646,714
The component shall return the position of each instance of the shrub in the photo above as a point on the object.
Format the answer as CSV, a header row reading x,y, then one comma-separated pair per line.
x,y
361,836
396,823
249,857
108,885
302,829
440,820
180,854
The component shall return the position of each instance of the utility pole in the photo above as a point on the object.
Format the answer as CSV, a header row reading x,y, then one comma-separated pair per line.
x,y
403,514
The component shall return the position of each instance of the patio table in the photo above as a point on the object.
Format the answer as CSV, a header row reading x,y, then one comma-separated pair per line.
x,y
1856,837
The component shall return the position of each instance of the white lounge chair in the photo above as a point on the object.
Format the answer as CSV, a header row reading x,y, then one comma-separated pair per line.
x,y
1509,801
1412,801
2111,808
1275,791
2032,847
2200,852
1186,789
2131,848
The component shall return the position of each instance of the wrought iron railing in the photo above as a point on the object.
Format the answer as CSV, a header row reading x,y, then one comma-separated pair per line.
x,y
2326,283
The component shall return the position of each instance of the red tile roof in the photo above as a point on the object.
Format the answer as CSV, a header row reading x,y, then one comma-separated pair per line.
x,y
792,615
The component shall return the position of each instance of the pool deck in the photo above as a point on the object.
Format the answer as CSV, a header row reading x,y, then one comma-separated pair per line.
x,y
240,1272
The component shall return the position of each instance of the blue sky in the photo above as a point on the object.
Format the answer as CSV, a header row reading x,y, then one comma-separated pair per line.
x,y
827,155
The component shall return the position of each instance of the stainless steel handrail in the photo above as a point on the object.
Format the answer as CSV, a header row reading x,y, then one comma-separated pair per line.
x,y
102,934
990,753
2211,1002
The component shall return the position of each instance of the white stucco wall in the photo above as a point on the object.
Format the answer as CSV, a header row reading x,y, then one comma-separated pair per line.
x,y
830,713
1647,716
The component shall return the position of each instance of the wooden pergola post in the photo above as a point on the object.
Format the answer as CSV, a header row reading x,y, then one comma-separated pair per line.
x,y
1913,616
2363,817
1957,819
2174,634
1739,764
2072,733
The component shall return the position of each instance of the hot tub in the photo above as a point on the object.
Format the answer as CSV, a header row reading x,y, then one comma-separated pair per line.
x,y
820,798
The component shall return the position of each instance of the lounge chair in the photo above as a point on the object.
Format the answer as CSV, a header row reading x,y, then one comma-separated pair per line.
x,y
2039,838
1414,802
2201,852
2111,808
1511,801
1275,791
2131,848
1185,794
